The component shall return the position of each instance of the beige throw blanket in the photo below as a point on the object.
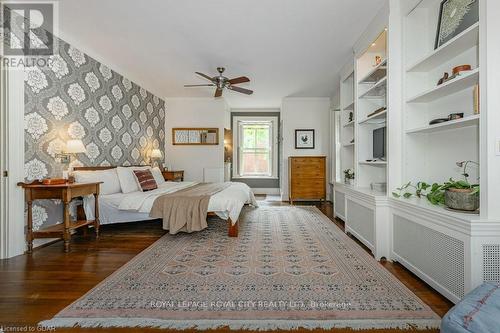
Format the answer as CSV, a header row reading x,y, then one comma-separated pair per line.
x,y
185,210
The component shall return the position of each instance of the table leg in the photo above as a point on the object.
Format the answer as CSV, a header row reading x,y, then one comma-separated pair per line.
x,y
29,231
67,233
96,215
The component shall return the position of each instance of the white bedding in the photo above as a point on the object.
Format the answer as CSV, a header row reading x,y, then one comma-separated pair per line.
x,y
135,206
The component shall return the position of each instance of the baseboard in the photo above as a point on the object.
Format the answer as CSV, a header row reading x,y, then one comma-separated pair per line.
x,y
270,191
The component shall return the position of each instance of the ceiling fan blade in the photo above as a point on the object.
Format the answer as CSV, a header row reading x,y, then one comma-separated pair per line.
x,y
237,80
205,76
218,92
241,90
198,85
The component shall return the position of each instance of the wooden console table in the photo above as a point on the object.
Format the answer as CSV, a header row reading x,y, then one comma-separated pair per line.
x,y
66,193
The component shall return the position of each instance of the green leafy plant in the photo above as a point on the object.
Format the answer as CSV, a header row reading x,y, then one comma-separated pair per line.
x,y
348,174
417,190
435,192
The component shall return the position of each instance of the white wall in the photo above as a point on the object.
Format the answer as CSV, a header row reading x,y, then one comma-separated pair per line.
x,y
194,112
304,113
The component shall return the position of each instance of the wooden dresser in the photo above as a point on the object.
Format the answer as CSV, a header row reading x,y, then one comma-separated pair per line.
x,y
307,177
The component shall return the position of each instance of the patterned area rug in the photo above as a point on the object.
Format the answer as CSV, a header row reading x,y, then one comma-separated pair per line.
x,y
290,267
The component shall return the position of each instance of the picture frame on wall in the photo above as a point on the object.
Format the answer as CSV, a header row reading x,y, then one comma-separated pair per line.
x,y
304,139
455,16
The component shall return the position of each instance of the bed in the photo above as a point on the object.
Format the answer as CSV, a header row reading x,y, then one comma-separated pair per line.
x,y
118,205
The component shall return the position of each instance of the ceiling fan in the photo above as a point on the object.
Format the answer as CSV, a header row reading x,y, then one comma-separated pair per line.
x,y
221,82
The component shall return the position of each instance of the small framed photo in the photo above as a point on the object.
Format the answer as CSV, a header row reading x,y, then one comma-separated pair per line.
x,y
304,139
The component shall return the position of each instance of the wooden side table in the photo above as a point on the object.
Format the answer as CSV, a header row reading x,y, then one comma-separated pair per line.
x,y
173,176
66,193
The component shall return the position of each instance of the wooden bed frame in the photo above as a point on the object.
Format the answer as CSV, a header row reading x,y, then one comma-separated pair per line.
x,y
232,229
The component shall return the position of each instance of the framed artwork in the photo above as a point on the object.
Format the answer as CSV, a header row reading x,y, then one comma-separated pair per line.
x,y
455,16
304,139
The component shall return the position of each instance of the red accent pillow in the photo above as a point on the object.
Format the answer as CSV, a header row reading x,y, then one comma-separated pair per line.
x,y
146,180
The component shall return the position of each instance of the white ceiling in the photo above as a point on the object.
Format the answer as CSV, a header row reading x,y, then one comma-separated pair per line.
x,y
286,47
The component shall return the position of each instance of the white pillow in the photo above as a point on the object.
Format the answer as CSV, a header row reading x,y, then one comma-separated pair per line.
x,y
157,175
128,181
109,177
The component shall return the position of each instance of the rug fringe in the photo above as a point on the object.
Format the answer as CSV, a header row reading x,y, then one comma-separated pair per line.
x,y
258,325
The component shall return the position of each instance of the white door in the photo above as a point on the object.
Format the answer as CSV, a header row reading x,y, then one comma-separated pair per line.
x,y
3,163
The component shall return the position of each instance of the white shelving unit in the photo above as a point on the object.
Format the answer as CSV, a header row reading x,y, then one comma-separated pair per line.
x,y
346,128
365,210
447,249
452,251
371,95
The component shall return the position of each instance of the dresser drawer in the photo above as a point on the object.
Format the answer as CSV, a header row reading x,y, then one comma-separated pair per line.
x,y
309,183
308,193
308,171
296,161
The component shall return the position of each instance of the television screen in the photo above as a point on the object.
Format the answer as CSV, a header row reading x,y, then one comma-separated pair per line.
x,y
379,143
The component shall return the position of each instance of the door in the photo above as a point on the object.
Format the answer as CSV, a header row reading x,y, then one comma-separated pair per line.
x,y
3,162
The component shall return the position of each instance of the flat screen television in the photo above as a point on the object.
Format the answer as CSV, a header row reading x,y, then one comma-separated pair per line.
x,y
379,143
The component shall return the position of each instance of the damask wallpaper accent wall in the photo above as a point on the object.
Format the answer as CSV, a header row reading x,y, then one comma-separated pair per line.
x,y
77,97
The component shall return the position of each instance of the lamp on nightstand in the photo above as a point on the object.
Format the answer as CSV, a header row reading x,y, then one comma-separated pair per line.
x,y
72,147
155,155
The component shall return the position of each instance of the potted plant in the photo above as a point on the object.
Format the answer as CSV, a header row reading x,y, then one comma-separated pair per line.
x,y
349,176
461,195
454,194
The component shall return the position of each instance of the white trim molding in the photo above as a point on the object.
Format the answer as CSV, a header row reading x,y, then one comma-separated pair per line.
x,y
12,237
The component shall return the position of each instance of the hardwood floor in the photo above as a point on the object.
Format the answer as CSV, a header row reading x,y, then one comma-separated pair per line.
x,y
34,288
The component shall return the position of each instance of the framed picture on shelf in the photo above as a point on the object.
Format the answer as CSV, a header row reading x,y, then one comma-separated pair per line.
x,y
304,139
455,16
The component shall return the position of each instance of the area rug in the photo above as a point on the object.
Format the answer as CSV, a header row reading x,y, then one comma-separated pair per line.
x,y
290,267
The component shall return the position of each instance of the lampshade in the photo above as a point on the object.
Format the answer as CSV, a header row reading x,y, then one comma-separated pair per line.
x,y
155,153
75,147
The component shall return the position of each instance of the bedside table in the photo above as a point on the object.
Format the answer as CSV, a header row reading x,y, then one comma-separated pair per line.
x,y
173,176
66,193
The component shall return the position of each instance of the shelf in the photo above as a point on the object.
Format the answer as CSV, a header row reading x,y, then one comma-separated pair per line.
x,y
375,163
464,81
375,74
378,118
349,107
423,203
452,124
348,145
378,90
364,190
351,123
450,50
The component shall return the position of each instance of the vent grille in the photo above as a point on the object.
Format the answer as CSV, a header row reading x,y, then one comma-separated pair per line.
x,y
491,262
340,203
438,255
361,219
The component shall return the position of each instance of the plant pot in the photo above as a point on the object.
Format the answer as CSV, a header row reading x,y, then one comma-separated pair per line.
x,y
349,181
461,199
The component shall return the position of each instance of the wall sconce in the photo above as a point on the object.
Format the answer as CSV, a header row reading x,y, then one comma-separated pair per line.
x,y
72,147
155,155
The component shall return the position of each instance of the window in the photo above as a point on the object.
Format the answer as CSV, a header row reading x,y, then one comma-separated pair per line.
x,y
256,140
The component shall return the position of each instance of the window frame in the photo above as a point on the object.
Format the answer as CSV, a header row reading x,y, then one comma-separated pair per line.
x,y
237,148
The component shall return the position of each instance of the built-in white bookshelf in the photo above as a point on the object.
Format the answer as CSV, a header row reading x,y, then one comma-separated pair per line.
x,y
452,251
371,111
346,126
431,151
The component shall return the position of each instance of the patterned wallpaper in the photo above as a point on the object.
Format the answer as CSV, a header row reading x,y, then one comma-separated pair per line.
x,y
77,97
